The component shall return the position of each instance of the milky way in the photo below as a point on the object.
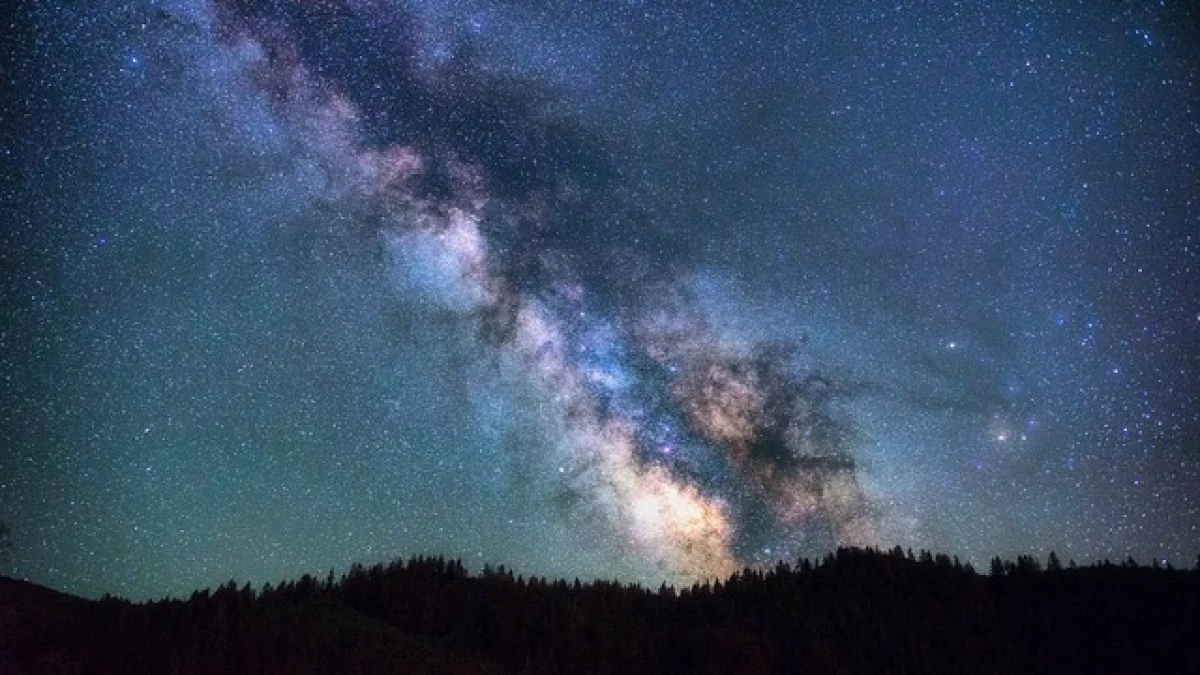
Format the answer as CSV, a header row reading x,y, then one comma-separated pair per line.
x,y
633,291
683,446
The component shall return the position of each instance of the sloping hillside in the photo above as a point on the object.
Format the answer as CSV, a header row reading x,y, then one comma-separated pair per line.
x,y
859,611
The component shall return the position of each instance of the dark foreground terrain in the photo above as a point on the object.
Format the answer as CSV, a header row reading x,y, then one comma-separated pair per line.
x,y
859,611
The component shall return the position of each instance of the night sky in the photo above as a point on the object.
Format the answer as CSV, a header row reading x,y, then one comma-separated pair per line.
x,y
638,290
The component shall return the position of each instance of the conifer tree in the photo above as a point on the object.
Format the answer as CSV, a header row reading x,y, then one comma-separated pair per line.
x,y
997,567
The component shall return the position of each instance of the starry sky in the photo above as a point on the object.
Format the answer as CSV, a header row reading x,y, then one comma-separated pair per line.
x,y
643,290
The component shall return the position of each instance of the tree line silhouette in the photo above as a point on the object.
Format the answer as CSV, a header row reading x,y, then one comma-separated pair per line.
x,y
853,611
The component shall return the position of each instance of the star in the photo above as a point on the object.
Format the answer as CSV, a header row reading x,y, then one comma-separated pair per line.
x,y
592,291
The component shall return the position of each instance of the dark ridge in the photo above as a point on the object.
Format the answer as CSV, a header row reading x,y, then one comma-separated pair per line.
x,y
855,611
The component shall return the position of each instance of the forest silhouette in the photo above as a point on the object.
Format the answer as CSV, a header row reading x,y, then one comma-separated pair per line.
x,y
853,611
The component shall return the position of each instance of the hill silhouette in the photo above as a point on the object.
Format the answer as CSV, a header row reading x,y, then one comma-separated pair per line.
x,y
855,611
